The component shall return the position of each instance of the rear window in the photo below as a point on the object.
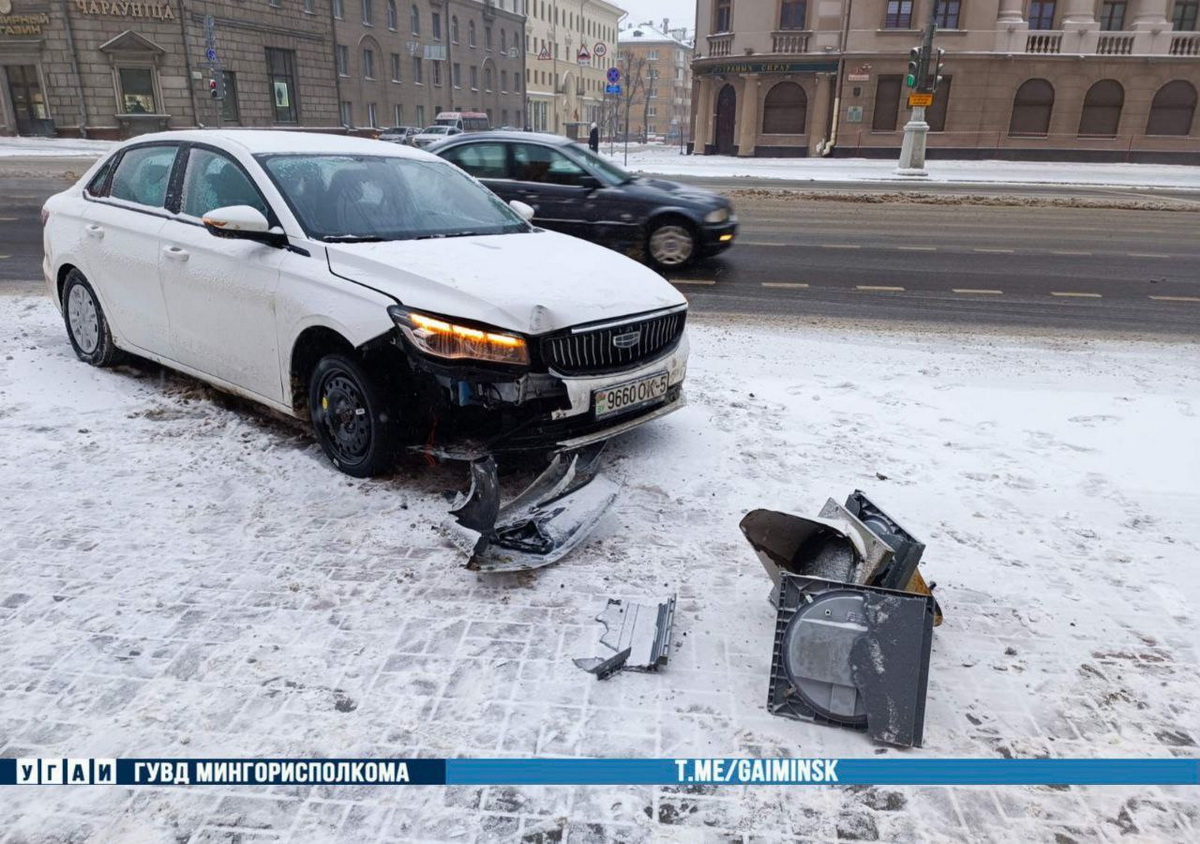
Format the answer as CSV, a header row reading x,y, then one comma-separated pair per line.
x,y
143,175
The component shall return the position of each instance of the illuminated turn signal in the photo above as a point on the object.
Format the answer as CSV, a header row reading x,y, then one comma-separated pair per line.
x,y
449,340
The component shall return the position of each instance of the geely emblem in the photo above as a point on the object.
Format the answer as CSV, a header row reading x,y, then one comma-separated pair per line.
x,y
628,340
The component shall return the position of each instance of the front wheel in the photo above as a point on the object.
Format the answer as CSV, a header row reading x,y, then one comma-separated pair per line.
x,y
352,416
671,244
87,327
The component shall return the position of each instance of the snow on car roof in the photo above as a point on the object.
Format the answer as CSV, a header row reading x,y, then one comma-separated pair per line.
x,y
257,141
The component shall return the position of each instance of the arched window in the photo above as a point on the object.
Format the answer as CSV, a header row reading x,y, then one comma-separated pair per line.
x,y
1032,107
1173,109
471,33
785,110
454,29
391,14
416,20
1102,110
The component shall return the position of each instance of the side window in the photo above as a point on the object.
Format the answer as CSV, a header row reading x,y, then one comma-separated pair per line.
x,y
143,175
96,187
542,164
483,161
213,181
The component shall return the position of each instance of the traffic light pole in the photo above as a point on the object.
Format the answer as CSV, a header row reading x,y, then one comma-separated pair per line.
x,y
922,79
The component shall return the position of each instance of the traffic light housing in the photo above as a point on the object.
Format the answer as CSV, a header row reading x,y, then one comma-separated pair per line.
x,y
935,76
914,67
216,86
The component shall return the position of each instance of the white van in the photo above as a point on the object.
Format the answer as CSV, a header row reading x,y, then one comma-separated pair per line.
x,y
466,121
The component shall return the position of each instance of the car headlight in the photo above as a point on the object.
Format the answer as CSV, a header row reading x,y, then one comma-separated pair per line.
x,y
718,216
443,339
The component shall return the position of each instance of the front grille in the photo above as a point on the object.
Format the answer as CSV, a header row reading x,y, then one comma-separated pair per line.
x,y
596,351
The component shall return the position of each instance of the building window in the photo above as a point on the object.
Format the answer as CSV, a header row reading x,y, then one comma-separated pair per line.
x,y
723,16
372,120
229,106
398,115
1173,109
308,7
504,42
1112,15
1186,14
454,29
367,12
392,18
343,59
369,64
437,73
946,12
137,90
457,78
899,14
785,110
339,9
471,33
487,38
421,116
347,116
415,20
1102,110
504,81
935,115
1041,14
793,14
395,67
1032,107
435,24
487,79
281,75
416,68
887,104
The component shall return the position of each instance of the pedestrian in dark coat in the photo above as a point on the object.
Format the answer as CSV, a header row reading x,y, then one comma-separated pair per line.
x,y
594,138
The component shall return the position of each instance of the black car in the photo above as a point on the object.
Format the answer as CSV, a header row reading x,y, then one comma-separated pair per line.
x,y
575,191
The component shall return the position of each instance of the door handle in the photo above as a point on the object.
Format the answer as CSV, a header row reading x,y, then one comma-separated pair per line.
x,y
175,253
94,231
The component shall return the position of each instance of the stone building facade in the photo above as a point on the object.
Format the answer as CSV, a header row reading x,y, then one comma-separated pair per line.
x,y
662,62
399,63
112,69
569,44
1038,79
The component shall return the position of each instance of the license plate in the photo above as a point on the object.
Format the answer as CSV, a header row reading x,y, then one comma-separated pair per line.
x,y
629,395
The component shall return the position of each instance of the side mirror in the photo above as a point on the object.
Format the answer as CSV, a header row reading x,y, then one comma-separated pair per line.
x,y
526,211
590,183
242,222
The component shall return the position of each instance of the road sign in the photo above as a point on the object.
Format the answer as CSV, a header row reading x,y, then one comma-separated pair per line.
x,y
583,57
923,100
614,76
544,55
210,54
600,50
612,89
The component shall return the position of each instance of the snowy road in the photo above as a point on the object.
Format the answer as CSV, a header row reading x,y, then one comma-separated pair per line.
x,y
184,577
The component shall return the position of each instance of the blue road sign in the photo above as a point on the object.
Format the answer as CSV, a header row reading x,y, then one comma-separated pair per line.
x,y
210,54
612,89
614,76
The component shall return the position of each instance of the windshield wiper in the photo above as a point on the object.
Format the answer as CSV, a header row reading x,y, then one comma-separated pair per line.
x,y
352,238
447,234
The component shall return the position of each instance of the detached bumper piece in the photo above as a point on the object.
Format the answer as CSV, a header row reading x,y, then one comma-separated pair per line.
x,y
854,618
540,526
640,635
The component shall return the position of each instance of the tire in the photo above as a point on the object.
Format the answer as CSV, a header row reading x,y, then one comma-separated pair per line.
x,y
352,416
87,327
671,244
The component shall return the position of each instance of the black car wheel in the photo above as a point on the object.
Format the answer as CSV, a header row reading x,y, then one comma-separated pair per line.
x,y
352,416
87,327
671,244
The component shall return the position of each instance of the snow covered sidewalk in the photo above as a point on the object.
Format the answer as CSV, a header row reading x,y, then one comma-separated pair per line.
x,y
666,161
53,147
181,576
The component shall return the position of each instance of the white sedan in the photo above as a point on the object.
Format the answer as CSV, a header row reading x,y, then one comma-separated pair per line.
x,y
374,289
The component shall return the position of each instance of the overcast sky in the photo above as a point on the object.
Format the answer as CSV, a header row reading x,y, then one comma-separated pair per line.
x,y
681,12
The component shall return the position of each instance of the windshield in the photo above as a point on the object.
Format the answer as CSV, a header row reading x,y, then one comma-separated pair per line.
x,y
368,197
437,130
609,171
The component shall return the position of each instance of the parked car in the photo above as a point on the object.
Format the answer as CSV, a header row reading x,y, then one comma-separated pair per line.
x,y
371,288
400,134
432,134
577,192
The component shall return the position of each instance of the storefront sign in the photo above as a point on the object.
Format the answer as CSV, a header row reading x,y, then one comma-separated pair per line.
x,y
21,24
769,67
157,11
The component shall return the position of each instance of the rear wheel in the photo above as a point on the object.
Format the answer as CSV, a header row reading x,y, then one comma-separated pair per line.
x,y
671,244
87,327
352,416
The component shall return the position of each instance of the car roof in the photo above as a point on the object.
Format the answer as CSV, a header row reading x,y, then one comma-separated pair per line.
x,y
513,135
257,141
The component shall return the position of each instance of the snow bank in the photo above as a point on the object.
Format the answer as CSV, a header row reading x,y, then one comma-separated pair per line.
x,y
184,576
53,147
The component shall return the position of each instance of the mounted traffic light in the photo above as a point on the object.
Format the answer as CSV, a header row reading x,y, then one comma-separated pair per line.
x,y
216,86
914,67
935,75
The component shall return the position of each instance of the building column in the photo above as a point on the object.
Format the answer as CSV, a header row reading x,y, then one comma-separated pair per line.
x,y
1148,18
702,127
1011,26
748,127
1079,14
819,128
1081,30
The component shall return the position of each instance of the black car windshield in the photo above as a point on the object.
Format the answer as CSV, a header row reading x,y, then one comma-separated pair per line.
x,y
365,197
609,171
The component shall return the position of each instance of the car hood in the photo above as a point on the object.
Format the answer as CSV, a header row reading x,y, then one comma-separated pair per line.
x,y
677,192
533,282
